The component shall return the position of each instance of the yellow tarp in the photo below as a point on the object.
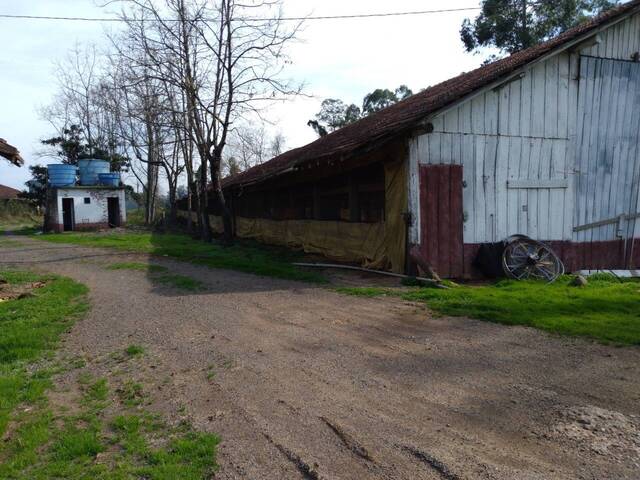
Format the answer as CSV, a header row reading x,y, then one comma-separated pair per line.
x,y
373,245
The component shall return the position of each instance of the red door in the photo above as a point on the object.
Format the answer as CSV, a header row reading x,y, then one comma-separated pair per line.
x,y
442,218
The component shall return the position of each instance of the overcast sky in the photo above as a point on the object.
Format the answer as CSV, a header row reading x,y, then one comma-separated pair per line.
x,y
334,58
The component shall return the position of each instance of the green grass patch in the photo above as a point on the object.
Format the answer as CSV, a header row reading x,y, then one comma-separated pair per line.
x,y
131,394
180,282
18,215
607,309
92,445
98,391
79,439
30,329
134,350
140,267
243,256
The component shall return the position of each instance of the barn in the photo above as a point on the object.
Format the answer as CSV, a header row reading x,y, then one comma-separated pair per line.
x,y
543,143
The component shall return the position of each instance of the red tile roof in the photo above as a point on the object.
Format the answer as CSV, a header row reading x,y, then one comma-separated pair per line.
x,y
8,192
400,117
10,152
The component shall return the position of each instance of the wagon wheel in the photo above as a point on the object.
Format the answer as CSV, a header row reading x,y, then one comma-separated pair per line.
x,y
525,259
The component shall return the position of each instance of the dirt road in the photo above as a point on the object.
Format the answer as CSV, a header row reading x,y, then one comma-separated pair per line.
x,y
301,382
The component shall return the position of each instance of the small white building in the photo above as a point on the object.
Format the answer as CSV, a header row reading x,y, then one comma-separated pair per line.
x,y
76,208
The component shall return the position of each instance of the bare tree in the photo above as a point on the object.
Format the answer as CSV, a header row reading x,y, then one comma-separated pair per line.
x,y
277,144
251,145
133,98
227,58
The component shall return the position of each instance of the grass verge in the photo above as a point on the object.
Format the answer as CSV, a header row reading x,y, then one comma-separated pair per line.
x,y
100,433
607,309
31,328
243,257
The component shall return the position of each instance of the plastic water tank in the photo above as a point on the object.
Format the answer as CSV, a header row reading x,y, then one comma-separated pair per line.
x,y
109,179
61,175
90,169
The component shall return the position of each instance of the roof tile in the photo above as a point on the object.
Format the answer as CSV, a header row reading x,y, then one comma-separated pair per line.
x,y
397,118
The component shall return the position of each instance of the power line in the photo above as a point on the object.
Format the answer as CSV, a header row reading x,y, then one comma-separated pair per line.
x,y
324,17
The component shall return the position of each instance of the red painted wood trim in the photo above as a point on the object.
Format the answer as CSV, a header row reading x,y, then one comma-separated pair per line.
x,y
456,245
606,256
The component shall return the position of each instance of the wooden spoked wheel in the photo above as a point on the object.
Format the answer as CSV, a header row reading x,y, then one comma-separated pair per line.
x,y
527,259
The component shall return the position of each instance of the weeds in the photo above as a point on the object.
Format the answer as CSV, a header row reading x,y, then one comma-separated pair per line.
x,y
134,350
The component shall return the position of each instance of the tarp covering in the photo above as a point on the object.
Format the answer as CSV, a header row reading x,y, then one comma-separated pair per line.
x,y
373,245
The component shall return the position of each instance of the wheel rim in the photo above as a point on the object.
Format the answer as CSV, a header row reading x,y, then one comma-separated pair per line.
x,y
526,259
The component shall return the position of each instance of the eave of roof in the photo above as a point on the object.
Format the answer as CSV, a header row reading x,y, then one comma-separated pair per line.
x,y
11,153
404,115
8,192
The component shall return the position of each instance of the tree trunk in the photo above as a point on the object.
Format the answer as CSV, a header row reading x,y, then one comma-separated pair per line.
x,y
203,205
173,208
189,209
227,223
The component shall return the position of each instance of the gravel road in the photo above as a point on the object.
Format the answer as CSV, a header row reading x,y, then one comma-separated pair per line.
x,y
304,383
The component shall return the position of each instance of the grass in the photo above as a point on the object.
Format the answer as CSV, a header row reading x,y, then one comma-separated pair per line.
x,y
181,282
31,328
607,309
131,393
94,444
16,215
243,257
134,350
90,437
140,267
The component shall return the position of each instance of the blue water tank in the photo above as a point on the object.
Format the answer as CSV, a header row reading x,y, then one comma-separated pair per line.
x,y
109,179
61,175
90,169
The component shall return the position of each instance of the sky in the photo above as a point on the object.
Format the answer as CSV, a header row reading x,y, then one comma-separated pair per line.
x,y
345,59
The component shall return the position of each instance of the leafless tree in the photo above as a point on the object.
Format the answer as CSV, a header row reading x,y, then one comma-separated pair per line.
x,y
251,145
227,58
277,144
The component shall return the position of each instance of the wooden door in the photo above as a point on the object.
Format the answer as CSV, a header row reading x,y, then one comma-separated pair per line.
x,y
442,218
607,173
68,214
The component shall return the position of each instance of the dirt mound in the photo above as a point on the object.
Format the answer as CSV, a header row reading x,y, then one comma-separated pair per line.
x,y
604,432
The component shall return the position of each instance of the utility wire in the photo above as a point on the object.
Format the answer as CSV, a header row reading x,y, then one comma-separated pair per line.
x,y
325,17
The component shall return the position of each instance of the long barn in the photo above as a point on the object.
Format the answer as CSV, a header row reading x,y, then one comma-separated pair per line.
x,y
543,143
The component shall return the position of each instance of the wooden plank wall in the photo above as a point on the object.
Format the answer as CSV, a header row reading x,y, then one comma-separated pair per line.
x,y
532,129
620,41
607,160
520,131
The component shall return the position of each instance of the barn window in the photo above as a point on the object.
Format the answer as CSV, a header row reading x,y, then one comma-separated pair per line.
x,y
87,200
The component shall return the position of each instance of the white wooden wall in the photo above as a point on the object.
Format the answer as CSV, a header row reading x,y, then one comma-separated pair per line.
x,y
620,41
518,145
607,158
